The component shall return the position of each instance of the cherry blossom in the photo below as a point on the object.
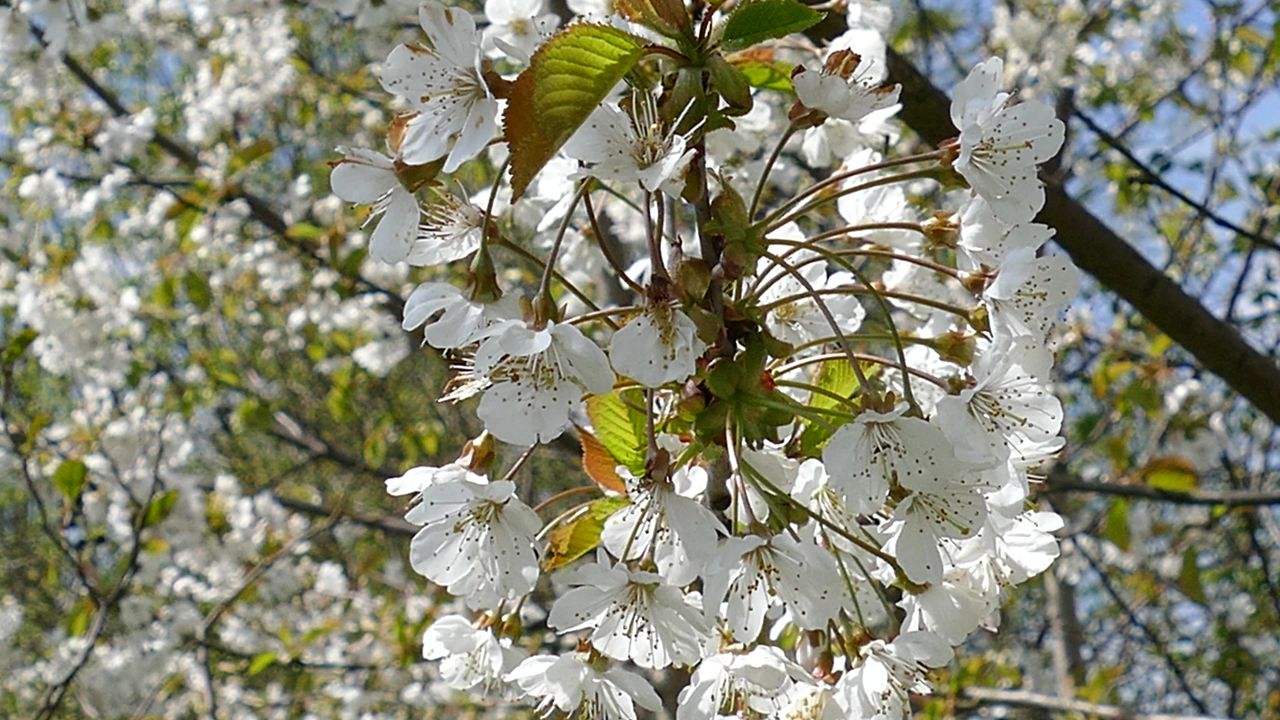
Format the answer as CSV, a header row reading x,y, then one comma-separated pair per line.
x,y
1029,294
516,27
678,532
476,539
368,177
749,572
469,655
630,147
1000,144
756,681
845,88
534,377
1008,409
632,615
659,346
456,113
575,686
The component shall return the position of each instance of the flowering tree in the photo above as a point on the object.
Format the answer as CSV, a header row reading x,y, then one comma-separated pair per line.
x,y
745,334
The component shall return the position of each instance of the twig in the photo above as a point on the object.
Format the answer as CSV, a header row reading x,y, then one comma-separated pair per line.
x,y
1228,498
1156,643
1154,178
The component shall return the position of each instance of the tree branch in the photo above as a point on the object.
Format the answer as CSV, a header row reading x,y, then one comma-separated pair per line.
x,y
1059,483
1156,643
1036,701
1154,178
1099,251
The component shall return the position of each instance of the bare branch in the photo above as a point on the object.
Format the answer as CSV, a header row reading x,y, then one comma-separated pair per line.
x,y
1157,644
1154,178
1060,482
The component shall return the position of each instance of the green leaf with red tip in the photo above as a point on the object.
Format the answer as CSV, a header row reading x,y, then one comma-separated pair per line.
x,y
566,80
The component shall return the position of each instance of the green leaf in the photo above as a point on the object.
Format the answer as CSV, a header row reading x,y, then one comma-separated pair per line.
x,y
70,478
766,75
566,80
304,231
18,345
197,287
253,415
160,507
761,20
1189,578
77,622
246,155
581,535
1115,527
838,377
1171,474
621,428
729,82
261,661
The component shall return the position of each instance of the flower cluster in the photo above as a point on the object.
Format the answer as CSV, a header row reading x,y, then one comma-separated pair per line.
x,y
793,394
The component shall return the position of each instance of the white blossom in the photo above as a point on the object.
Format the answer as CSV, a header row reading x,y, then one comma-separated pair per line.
x,y
535,377
367,177
469,656
456,114
678,532
757,681
575,686
659,346
749,572
845,88
632,615
633,147
476,540
1000,144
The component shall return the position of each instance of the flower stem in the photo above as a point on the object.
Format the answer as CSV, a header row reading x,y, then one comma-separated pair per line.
x,y
544,288
605,248
841,177
777,220
768,167
826,313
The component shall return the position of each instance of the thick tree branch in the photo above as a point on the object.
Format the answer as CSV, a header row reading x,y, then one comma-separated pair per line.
x,y
1099,251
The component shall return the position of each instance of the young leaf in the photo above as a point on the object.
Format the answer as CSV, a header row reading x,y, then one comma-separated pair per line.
x,y
1115,526
762,20
581,535
621,429
1189,577
261,662
565,81
668,17
838,377
765,75
1171,474
160,507
600,464
69,478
